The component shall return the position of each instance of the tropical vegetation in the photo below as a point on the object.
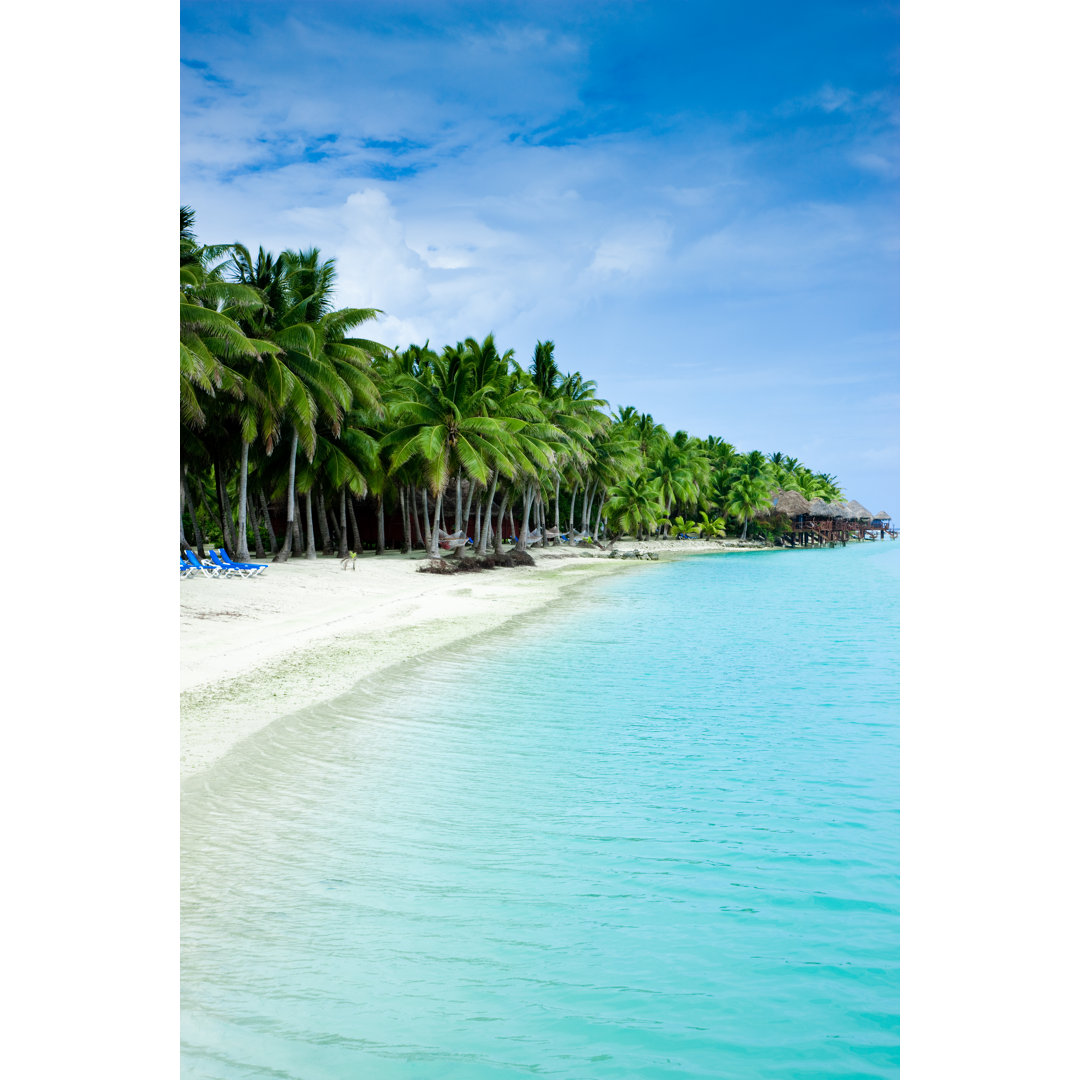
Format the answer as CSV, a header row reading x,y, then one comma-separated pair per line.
x,y
287,415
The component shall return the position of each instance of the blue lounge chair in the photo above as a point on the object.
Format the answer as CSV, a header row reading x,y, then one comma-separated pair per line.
x,y
254,567
186,570
208,571
227,570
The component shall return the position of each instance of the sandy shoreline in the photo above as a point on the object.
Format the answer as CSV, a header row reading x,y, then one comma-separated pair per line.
x,y
257,649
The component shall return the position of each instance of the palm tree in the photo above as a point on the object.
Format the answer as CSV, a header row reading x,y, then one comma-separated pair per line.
x,y
451,424
569,404
322,371
747,496
634,506
671,470
218,352
710,528
211,340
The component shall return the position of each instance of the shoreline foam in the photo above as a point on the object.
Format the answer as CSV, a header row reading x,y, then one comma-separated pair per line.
x,y
252,651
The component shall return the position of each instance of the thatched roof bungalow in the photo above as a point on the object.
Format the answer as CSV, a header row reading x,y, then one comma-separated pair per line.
x,y
791,503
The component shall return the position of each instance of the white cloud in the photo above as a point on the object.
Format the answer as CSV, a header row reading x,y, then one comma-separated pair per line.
x,y
830,99
876,163
787,247
375,264
630,251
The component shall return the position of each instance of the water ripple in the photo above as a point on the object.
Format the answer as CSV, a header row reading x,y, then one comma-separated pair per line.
x,y
651,832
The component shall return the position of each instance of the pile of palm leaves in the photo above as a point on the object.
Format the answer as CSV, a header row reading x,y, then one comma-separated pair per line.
x,y
472,564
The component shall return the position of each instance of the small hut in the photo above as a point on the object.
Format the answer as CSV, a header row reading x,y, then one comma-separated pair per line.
x,y
883,521
794,507
791,503
860,511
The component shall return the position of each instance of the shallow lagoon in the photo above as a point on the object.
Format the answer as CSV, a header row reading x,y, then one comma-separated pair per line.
x,y
651,833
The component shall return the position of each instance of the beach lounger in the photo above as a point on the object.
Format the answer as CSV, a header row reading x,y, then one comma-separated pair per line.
x,y
255,568
207,571
228,568
186,569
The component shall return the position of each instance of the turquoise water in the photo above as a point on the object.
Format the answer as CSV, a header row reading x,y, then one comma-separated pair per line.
x,y
651,833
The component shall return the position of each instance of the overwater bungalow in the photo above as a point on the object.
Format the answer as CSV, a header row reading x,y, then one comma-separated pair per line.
x,y
882,521
819,522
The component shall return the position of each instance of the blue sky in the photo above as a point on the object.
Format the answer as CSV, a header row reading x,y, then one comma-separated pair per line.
x,y
698,202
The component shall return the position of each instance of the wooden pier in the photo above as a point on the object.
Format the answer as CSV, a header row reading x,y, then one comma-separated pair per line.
x,y
819,523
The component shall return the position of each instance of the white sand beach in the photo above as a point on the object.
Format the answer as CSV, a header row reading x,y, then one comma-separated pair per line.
x,y
253,650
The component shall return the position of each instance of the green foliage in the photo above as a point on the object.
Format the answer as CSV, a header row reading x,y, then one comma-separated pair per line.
x,y
634,506
268,362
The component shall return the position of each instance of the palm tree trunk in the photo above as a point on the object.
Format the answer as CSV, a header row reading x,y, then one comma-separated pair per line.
x,y
224,509
406,520
343,530
335,530
457,507
269,523
290,510
558,478
496,537
309,527
202,507
541,519
573,500
256,528
324,525
513,527
433,543
358,547
416,518
427,525
486,535
746,522
243,555
191,513
468,509
380,536
483,519
599,511
184,545
526,506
